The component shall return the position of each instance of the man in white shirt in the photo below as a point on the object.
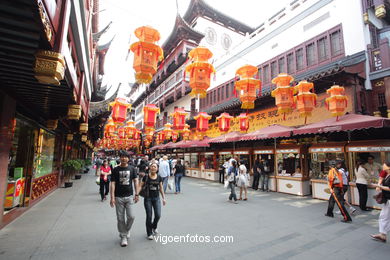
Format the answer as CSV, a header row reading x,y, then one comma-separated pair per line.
x,y
164,171
373,168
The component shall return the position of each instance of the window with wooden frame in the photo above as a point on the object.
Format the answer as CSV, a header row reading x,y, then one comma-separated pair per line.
x,y
336,44
223,96
310,54
381,100
290,63
219,94
266,74
274,69
227,91
281,65
322,48
299,58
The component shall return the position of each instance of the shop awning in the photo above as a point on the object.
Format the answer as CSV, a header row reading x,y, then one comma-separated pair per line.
x,y
347,122
180,144
197,143
272,131
227,138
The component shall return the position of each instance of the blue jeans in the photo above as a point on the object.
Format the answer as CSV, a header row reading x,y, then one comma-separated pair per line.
x,y
177,181
165,183
264,182
150,203
232,187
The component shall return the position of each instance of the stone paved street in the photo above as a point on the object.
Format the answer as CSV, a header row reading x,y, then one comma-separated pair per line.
x,y
74,224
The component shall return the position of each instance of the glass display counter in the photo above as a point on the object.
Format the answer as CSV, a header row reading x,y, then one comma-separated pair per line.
x,y
321,158
194,165
374,153
267,157
291,166
208,166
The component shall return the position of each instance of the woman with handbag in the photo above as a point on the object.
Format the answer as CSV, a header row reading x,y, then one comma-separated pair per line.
x,y
383,186
150,187
362,179
231,177
105,172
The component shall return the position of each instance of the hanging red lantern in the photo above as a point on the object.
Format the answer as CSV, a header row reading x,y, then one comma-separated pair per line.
x,y
305,99
337,102
121,133
175,136
137,135
202,121
243,122
109,129
150,113
186,132
147,143
130,129
161,136
200,71
284,93
224,122
149,132
168,131
146,53
119,110
179,118
247,86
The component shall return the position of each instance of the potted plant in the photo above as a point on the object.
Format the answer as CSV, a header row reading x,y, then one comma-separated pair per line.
x,y
80,165
70,166
87,163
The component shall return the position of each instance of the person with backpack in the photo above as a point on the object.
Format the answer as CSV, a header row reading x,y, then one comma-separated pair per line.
x,y
152,184
231,178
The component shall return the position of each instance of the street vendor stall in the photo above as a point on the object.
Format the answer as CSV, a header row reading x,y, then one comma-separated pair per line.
x,y
380,152
209,167
321,157
267,156
291,166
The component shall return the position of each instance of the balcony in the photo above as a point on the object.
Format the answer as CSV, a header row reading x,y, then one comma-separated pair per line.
x,y
379,59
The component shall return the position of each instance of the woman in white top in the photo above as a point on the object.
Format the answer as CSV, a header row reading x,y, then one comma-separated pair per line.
x,y
243,181
362,179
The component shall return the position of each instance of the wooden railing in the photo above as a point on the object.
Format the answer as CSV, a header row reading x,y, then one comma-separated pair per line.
x,y
379,57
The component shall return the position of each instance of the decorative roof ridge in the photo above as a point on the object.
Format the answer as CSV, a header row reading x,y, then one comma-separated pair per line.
x,y
191,14
106,46
96,36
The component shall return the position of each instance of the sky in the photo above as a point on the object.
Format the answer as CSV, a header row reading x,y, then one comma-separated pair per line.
x,y
127,15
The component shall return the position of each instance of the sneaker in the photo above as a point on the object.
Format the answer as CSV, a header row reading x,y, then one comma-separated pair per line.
x,y
331,216
150,237
155,231
337,212
352,210
346,221
123,241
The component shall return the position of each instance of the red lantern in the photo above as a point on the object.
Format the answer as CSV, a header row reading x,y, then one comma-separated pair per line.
x,y
109,129
146,53
119,110
168,131
179,118
130,129
224,122
175,135
202,121
149,134
186,132
137,135
150,113
243,122
305,100
200,70
337,102
284,93
121,133
160,136
247,86
147,143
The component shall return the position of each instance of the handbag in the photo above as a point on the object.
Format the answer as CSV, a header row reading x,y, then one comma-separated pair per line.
x,y
144,190
170,183
226,184
98,180
380,199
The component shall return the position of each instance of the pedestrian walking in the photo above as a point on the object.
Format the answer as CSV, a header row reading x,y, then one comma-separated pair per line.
x,y
340,166
123,176
256,174
221,171
143,166
178,171
362,180
164,171
335,181
104,172
231,178
243,181
384,217
264,174
152,203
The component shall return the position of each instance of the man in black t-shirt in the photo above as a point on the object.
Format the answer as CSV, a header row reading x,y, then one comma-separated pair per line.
x,y
122,178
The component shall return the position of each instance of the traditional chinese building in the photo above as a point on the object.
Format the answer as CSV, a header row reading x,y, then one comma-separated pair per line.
x,y
50,62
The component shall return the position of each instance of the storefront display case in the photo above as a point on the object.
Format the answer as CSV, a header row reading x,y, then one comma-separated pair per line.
x,y
321,158
378,149
194,165
291,166
187,164
267,156
208,166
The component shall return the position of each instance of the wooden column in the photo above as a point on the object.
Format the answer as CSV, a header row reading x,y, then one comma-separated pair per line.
x,y
7,115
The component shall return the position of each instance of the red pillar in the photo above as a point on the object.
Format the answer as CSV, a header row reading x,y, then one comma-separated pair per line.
x,y
7,115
